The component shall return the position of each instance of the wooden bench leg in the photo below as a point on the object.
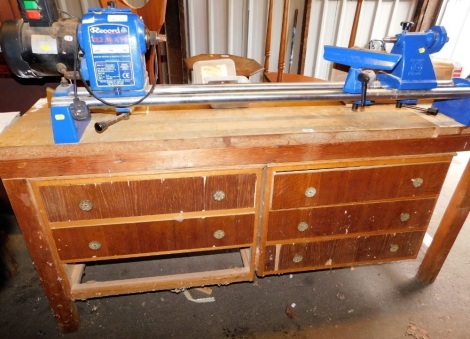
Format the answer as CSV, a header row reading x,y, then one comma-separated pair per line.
x,y
450,226
50,271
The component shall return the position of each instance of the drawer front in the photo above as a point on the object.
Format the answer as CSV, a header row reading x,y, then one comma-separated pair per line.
x,y
85,243
327,187
348,219
112,198
346,252
229,191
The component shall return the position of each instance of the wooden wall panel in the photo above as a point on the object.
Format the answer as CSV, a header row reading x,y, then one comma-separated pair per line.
x,y
9,10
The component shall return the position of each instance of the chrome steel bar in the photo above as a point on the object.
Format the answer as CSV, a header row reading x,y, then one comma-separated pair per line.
x,y
224,88
221,88
202,94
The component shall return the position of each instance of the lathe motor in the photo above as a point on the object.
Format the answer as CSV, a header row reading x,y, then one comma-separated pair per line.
x,y
111,43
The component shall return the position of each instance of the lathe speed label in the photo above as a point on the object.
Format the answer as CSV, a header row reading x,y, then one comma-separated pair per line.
x,y
111,53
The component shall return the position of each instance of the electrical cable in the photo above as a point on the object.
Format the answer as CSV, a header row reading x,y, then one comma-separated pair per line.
x,y
75,59
66,13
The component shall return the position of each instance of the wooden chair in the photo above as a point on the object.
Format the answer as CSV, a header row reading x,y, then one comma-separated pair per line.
x,y
244,66
280,75
153,14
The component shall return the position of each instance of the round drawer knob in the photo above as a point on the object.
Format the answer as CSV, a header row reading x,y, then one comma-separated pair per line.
x,y
404,217
219,234
417,182
394,248
218,195
302,226
297,258
94,245
310,192
85,205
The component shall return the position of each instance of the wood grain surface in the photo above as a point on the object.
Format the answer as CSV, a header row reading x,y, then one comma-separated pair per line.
x,y
190,137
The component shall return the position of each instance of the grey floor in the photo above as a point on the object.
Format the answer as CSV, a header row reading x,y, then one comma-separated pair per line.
x,y
377,301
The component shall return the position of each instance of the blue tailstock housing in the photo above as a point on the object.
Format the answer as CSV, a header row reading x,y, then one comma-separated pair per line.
x,y
457,109
408,66
360,59
415,69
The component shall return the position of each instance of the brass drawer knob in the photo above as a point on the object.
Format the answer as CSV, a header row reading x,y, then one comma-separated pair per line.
x,y
417,182
310,192
302,226
394,248
297,258
94,245
219,234
218,195
404,217
85,205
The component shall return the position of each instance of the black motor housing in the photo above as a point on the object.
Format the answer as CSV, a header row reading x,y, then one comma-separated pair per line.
x,y
36,52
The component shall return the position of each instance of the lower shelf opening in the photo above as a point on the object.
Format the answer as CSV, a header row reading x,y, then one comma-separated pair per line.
x,y
124,276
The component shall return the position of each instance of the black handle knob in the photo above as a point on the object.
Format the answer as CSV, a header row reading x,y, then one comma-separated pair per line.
x,y
406,25
103,125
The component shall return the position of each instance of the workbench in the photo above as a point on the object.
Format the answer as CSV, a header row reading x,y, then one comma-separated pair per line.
x,y
278,188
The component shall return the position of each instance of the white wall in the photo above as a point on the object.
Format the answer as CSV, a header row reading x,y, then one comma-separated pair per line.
x,y
211,23
77,7
454,17
333,21
239,27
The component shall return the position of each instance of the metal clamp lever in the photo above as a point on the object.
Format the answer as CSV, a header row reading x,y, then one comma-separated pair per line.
x,y
364,79
429,111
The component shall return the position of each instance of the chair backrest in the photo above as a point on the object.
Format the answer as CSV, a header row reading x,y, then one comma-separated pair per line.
x,y
153,12
283,39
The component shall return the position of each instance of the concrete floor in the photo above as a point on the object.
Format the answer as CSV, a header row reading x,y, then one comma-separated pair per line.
x,y
378,301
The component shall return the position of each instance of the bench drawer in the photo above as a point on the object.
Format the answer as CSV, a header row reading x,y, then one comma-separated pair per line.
x,y
357,184
350,219
343,252
128,197
92,242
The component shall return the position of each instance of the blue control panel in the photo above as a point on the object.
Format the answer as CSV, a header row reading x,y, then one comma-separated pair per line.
x,y
114,46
